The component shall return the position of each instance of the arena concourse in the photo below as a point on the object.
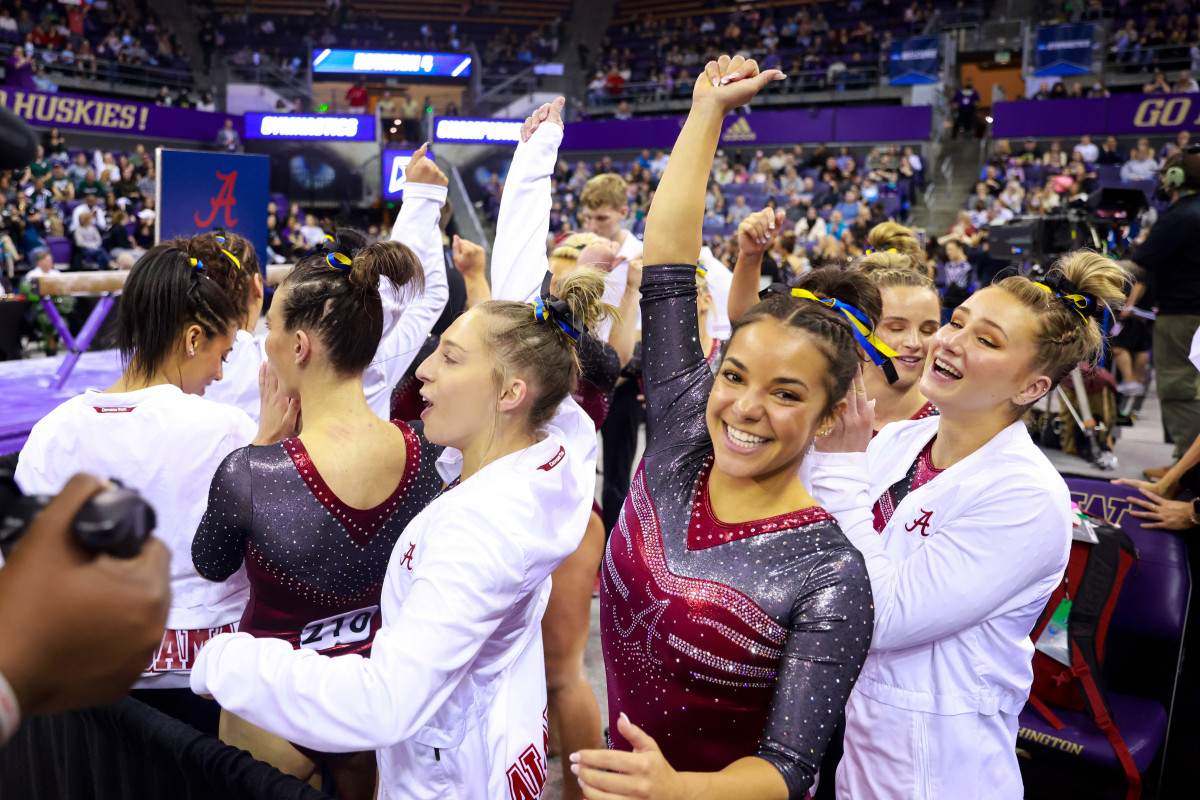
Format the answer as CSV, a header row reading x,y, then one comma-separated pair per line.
x,y
471,486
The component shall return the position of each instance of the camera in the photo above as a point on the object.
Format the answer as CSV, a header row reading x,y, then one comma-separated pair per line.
x,y
116,521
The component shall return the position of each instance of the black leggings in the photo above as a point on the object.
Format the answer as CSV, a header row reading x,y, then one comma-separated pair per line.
x,y
184,705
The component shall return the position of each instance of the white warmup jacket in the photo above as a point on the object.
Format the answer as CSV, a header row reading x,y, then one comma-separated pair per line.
x,y
407,320
239,375
167,445
959,576
720,279
523,226
453,695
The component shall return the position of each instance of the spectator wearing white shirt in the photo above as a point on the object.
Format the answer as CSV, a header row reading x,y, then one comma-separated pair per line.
x,y
90,206
659,163
1089,151
1141,166
738,211
312,233
7,22
89,243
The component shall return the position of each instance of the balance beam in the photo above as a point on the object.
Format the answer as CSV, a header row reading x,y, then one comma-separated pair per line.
x,y
107,284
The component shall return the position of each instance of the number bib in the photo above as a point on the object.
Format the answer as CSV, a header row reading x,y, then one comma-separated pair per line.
x,y
353,626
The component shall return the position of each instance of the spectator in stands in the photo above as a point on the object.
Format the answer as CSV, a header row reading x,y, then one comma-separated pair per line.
x,y
811,228
107,171
849,205
1142,166
1055,158
89,245
147,183
965,101
1087,150
1032,154
206,102
1013,195
623,111
1111,153
163,98
89,184
143,233
38,196
357,98
61,185
738,211
956,278
90,206
312,233
228,139
714,200
1186,83
79,168
119,244
1182,140
1157,86
410,117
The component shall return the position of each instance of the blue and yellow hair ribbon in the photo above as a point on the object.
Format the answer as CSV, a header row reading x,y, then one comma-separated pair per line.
x,y
197,264
1079,303
339,261
702,270
237,262
548,307
860,326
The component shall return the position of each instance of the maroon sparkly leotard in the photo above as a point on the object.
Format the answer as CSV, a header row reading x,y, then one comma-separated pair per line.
x,y
309,557
721,641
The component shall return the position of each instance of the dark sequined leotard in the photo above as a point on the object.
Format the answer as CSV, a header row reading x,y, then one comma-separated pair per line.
x,y
721,641
311,559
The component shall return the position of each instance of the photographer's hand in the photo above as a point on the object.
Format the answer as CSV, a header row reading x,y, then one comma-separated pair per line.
x,y
77,630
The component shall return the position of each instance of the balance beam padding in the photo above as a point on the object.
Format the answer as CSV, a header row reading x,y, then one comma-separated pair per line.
x,y
276,274
82,283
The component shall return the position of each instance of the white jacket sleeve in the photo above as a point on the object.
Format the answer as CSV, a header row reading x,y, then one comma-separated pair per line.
x,y
972,568
463,585
519,252
407,324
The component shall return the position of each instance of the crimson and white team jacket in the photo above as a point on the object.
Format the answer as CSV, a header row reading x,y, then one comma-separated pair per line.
x,y
523,225
407,317
167,445
959,574
453,695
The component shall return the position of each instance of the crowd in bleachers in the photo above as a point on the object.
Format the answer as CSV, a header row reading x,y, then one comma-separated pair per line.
x,y
88,39
1039,180
821,46
830,197
87,208
241,34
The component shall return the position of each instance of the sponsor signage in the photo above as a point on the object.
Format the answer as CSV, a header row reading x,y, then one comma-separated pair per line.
x,y
1125,114
477,131
914,60
1063,50
310,126
394,163
77,112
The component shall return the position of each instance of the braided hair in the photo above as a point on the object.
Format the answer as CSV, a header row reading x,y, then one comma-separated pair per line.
x,y
333,293
167,290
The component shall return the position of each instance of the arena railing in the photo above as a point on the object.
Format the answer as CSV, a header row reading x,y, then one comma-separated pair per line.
x,y
109,74
646,96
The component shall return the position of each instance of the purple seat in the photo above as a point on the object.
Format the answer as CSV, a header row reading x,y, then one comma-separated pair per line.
x,y
1152,609
61,248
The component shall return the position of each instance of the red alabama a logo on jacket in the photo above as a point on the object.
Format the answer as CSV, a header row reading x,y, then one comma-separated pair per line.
x,y
921,522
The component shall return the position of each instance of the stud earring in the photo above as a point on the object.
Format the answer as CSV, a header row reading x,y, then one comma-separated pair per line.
x,y
191,353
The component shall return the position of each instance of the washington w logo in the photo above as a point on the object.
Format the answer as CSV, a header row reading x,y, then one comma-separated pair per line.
x,y
739,131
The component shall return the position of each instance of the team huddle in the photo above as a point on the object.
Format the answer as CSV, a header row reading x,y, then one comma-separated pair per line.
x,y
392,588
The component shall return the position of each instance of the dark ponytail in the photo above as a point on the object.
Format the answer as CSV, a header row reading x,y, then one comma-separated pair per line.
x,y
167,290
333,293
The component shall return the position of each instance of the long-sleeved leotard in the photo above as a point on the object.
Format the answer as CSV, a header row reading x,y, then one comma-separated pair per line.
x,y
312,560
721,641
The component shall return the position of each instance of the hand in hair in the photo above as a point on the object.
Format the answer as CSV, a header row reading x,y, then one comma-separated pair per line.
x,y
423,170
279,417
548,112
732,82
758,230
852,431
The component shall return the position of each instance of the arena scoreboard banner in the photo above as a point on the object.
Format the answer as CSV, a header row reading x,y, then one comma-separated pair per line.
x,y
327,127
914,60
202,192
382,62
808,125
77,112
1124,114
1063,50
477,131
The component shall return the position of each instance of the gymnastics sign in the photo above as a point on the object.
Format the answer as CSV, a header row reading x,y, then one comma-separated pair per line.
x,y
1063,50
102,115
327,127
915,60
